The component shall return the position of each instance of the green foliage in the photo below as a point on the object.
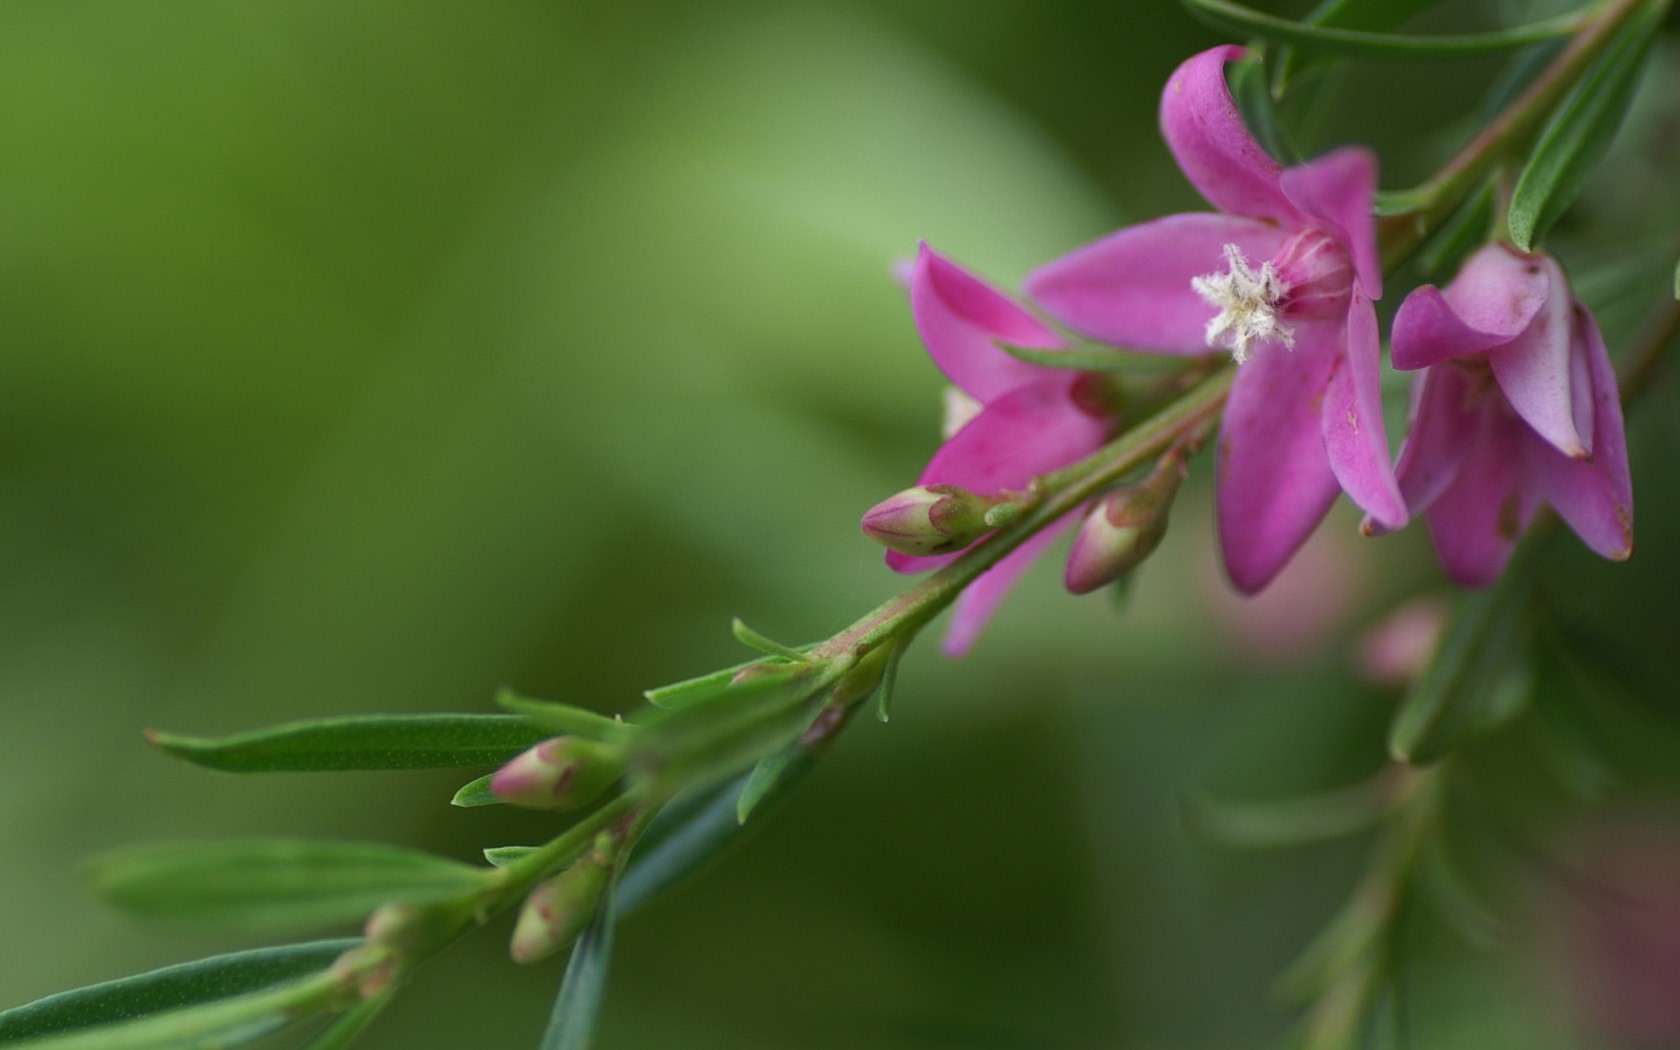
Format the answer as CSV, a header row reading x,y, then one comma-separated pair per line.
x,y
360,742
1577,137
172,988
275,883
754,640
577,1009
1369,15
1466,230
1289,822
762,779
1356,43
555,718
476,793
347,1028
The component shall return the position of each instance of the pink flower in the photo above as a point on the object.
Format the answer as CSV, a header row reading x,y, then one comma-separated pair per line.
x,y
1030,420
1517,406
1282,276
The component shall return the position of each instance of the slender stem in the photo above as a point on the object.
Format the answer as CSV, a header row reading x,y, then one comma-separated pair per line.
x,y
1062,492
1510,131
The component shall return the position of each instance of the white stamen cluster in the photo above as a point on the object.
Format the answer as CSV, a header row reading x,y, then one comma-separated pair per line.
x,y
1248,304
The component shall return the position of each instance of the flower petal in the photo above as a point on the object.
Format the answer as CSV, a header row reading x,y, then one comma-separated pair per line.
x,y
961,319
1445,421
982,597
1338,191
1354,436
1132,288
1202,126
1029,431
1533,369
1595,496
1275,482
1478,518
1492,301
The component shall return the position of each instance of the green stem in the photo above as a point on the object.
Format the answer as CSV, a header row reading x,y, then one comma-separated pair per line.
x,y
1512,130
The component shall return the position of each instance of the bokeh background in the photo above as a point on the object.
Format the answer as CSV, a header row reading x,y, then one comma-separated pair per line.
x,y
367,357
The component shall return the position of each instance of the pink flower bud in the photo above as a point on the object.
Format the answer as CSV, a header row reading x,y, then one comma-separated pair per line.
x,y
1122,530
562,773
557,910
931,519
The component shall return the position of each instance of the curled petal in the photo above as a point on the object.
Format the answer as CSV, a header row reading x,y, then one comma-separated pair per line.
x,y
1275,483
1208,138
1478,518
982,597
1132,288
1337,191
1595,497
961,320
1027,432
1534,370
1493,300
1354,437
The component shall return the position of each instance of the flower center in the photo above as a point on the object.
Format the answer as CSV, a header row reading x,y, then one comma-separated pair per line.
x,y
1250,304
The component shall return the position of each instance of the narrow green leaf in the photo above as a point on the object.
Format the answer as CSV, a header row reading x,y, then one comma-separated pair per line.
x,y
753,640
762,778
694,690
171,988
889,681
729,731
1465,231
577,1009
1253,96
502,856
275,883
1457,903
348,1027
476,793
1368,15
1288,822
1480,676
562,719
1580,133
1245,21
360,742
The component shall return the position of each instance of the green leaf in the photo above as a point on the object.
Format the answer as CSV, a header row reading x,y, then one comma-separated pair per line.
x,y
578,1007
347,1028
476,793
1367,15
502,856
762,778
1580,133
1465,231
1480,676
1253,96
1293,821
171,988
1245,21
360,742
753,640
562,719
275,883
733,729
678,695
889,680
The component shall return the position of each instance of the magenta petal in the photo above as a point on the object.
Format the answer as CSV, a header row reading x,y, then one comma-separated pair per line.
x,y
1132,288
1595,497
1445,421
1533,369
1354,436
1477,520
961,320
1275,482
1207,136
1337,190
982,597
1029,431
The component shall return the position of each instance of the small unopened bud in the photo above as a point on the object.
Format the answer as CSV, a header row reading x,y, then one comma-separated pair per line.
x,y
1122,530
409,928
929,519
365,971
557,910
562,773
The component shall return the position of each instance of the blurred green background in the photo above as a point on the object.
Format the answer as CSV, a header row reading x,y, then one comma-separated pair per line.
x,y
367,357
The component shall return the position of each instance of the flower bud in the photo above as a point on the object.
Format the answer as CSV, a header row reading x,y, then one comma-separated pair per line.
x,y
557,910
1122,530
562,773
408,929
929,519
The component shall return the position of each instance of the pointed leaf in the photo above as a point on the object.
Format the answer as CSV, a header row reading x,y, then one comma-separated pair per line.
x,y
1480,676
762,778
1463,232
578,1007
889,681
753,640
693,690
713,739
275,883
1581,132
171,988
476,793
1245,21
360,742
1288,822
347,1028
502,856
1378,15
557,719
